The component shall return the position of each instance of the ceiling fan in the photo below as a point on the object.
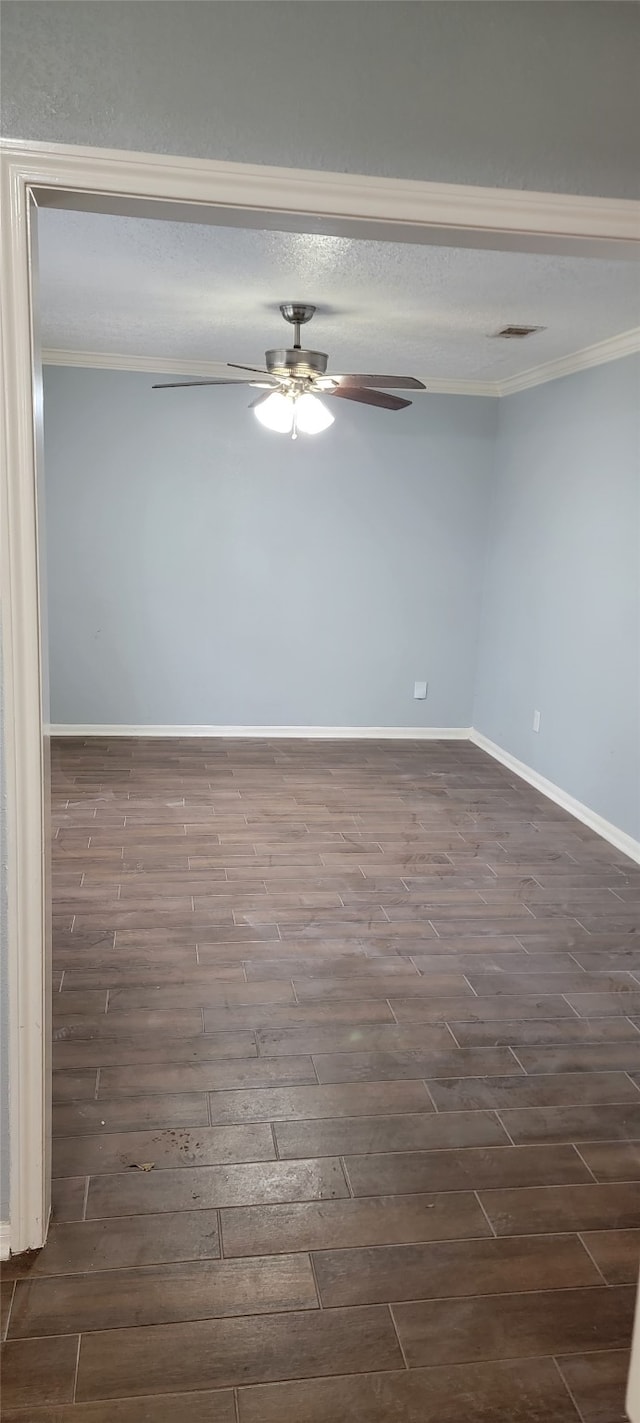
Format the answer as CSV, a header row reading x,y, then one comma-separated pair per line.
x,y
293,378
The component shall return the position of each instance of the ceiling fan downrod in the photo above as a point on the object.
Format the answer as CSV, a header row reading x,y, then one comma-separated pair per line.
x,y
297,313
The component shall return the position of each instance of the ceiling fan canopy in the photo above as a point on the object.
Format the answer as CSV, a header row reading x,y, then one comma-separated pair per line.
x,y
293,362
293,378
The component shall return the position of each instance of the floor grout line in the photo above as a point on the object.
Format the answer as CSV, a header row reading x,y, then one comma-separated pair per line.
x,y
312,1264
494,1232
576,1148
429,1093
594,1262
514,1054
8,1318
579,1413
75,1376
397,1334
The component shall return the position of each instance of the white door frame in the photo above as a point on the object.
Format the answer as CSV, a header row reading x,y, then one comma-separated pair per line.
x,y
35,174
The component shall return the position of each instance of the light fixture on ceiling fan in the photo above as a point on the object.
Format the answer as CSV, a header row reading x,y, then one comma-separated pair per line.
x,y
287,412
295,378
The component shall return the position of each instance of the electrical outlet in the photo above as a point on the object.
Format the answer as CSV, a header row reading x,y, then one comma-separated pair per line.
x,y
536,720
420,690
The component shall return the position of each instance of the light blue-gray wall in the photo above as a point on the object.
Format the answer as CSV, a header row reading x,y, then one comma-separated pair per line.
x,y
531,95
203,570
561,615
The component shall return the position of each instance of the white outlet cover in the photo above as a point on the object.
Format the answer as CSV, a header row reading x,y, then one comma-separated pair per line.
x,y
536,720
420,690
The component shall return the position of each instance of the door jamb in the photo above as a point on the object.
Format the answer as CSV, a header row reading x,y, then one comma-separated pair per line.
x,y
38,174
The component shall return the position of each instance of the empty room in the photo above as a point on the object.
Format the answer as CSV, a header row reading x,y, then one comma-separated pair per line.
x,y
321,718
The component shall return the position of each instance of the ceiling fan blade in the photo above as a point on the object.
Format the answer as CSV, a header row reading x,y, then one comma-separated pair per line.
x,y
369,397
388,382
260,400
177,384
258,370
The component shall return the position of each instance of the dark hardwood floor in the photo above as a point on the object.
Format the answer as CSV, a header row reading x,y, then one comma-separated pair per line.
x,y
346,1094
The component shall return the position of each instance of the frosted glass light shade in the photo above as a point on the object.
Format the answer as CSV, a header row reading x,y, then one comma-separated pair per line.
x,y
312,415
276,413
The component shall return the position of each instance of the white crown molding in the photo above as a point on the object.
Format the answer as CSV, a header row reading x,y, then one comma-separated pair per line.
x,y
602,827
151,365
441,385
615,347
626,344
273,733
193,370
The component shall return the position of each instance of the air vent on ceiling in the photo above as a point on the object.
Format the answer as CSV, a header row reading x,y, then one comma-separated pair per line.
x,y
516,333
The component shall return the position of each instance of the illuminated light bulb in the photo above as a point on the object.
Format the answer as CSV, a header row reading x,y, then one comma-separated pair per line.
x,y
311,416
276,413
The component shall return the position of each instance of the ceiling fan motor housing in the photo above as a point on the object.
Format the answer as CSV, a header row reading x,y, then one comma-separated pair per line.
x,y
296,363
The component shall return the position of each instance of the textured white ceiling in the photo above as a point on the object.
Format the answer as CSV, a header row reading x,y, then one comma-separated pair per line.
x,y
142,287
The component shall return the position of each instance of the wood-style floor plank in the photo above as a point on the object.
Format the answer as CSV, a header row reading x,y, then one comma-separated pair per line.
x,y
162,1294
530,1390
515,1325
217,1353
346,1094
385,1273
208,1407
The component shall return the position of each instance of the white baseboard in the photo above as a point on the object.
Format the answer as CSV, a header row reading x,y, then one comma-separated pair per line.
x,y
5,1239
596,822
272,733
